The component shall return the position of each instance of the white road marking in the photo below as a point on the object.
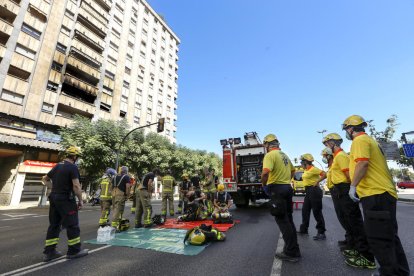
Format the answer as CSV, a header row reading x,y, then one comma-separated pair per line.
x,y
277,263
11,219
4,227
38,266
16,215
38,216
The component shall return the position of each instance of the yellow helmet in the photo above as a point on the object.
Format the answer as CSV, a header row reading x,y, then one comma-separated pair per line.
x,y
269,138
184,176
326,151
353,120
220,187
73,150
307,157
331,136
197,237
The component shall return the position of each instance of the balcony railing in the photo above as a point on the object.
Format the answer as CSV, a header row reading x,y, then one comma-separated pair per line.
x,y
22,62
55,76
59,57
83,67
33,21
41,5
90,53
73,81
85,57
88,6
62,121
16,85
77,104
88,33
10,5
5,27
92,23
28,41
86,39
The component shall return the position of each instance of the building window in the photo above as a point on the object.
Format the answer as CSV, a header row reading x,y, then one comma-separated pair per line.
x,y
126,84
65,30
117,20
112,60
11,97
48,108
56,66
140,78
69,14
105,107
116,33
144,32
109,75
61,48
146,10
151,85
136,119
52,86
150,98
169,108
107,91
138,105
145,21
159,103
149,111
160,92
139,92
114,46
30,31
25,52
142,54
127,70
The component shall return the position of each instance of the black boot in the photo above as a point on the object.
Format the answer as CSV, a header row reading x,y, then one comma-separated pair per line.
x,y
51,256
80,254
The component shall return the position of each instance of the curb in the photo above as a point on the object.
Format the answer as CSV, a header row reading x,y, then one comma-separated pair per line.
x,y
406,199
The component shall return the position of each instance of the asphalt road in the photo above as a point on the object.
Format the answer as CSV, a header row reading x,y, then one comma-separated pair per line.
x,y
248,250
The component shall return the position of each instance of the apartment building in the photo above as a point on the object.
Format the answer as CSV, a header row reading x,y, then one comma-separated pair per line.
x,y
110,59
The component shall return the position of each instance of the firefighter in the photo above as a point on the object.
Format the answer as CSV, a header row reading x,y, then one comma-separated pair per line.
x,y
358,251
144,193
276,176
196,208
106,196
185,186
312,177
371,183
120,190
132,194
63,211
195,181
209,188
168,185
222,203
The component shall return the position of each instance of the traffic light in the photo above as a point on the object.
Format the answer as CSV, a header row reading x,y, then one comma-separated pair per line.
x,y
160,126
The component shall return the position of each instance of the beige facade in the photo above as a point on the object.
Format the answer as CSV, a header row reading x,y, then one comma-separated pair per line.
x,y
108,59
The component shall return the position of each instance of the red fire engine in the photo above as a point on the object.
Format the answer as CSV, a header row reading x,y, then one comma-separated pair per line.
x,y
242,168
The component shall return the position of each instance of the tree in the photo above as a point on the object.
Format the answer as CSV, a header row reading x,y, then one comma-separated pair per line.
x,y
99,141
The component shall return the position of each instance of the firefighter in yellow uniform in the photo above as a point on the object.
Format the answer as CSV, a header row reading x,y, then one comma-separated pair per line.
x,y
143,198
168,185
120,191
132,195
276,176
185,186
371,183
106,196
209,189
312,176
357,249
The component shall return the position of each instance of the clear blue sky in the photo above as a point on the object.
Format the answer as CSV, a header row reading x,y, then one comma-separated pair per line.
x,y
290,68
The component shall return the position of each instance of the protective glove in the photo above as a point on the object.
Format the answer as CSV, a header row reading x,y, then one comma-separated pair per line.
x,y
352,194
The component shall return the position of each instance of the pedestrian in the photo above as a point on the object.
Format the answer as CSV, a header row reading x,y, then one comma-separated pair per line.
x,y
312,177
120,190
144,193
106,196
276,175
184,188
168,185
63,210
358,252
371,183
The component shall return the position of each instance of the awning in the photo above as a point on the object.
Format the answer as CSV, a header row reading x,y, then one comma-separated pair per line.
x,y
21,141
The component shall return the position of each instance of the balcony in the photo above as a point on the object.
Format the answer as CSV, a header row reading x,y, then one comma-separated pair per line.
x,y
22,62
5,27
77,104
76,64
109,83
81,85
28,41
95,11
16,85
59,57
10,6
62,120
55,76
86,37
92,23
94,58
105,4
41,5
35,19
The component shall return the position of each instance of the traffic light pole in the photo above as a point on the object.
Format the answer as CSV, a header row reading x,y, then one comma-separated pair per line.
x,y
123,140
404,139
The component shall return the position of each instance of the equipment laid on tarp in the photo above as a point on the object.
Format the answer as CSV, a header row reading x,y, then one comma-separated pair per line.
x,y
203,234
174,224
158,239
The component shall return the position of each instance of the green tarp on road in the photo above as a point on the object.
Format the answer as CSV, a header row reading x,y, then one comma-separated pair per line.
x,y
158,239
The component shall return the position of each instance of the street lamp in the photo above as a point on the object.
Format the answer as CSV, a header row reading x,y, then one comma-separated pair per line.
x,y
322,132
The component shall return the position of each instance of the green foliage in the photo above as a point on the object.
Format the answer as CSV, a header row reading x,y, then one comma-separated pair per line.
x,y
100,139
402,174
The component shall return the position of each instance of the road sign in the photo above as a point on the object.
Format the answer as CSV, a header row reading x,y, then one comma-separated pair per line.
x,y
409,150
390,150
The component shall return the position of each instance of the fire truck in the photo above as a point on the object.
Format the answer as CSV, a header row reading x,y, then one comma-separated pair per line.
x,y
242,168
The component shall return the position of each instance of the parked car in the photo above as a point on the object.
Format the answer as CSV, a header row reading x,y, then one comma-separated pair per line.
x,y
405,184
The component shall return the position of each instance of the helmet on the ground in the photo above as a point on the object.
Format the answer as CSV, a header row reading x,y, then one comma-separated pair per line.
x,y
331,136
158,220
73,150
307,157
110,172
326,151
220,187
196,237
269,138
353,120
